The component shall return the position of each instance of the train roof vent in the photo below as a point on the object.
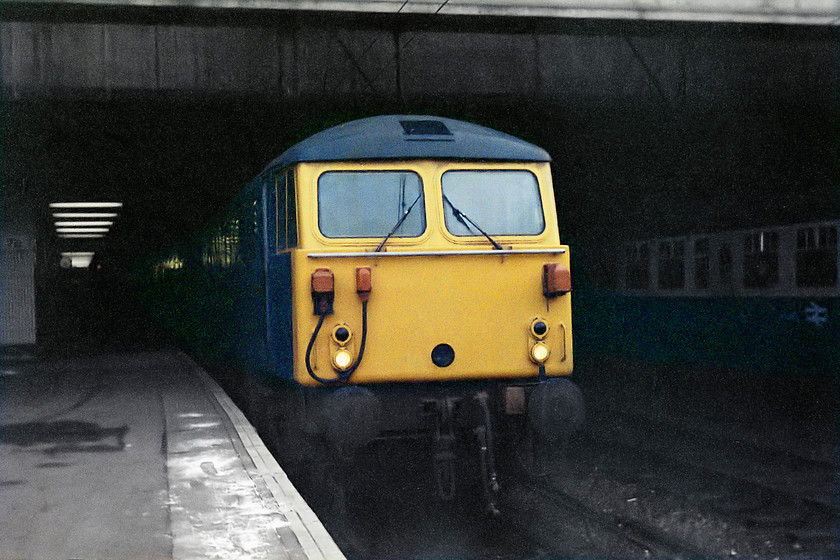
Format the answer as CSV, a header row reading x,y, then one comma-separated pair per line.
x,y
424,128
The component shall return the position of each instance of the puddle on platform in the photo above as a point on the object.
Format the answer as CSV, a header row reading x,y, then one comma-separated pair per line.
x,y
65,436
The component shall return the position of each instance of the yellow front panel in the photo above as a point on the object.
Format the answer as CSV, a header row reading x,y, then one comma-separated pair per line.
x,y
424,294
482,306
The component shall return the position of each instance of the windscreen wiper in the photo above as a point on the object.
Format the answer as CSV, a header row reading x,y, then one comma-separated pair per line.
x,y
399,223
463,218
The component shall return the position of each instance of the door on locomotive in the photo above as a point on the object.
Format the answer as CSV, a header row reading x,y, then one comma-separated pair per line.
x,y
415,276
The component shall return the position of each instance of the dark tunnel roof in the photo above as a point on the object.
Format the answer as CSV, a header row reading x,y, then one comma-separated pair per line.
x,y
409,137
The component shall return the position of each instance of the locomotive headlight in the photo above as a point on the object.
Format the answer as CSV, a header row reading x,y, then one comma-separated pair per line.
x,y
342,359
539,353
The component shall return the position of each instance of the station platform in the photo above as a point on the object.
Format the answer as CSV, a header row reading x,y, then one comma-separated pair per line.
x,y
142,456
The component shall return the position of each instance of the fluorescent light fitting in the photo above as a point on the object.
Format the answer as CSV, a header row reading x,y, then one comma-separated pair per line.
x,y
86,205
78,259
83,224
81,235
81,230
85,214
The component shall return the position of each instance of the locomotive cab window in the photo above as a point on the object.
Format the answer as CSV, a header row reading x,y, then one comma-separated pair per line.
x,y
370,204
499,202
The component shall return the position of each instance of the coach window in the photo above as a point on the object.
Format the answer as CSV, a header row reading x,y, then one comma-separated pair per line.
x,y
671,265
498,202
761,259
370,203
222,249
816,256
249,229
725,265
702,264
637,267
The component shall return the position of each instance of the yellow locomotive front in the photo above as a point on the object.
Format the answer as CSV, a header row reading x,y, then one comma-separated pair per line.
x,y
445,302
427,289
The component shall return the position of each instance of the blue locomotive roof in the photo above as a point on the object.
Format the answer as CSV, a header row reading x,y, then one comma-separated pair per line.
x,y
409,137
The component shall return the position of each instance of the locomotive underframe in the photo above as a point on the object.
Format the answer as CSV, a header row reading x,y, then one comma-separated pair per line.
x,y
330,425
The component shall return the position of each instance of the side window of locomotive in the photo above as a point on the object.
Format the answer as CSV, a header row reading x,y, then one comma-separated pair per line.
x,y
291,211
280,211
370,203
498,202
816,256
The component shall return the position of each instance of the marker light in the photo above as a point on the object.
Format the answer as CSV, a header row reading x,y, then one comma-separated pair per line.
x,y
342,359
341,335
539,329
323,291
539,353
557,280
363,284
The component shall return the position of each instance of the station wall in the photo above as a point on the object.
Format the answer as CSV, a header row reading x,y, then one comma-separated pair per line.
x,y
17,286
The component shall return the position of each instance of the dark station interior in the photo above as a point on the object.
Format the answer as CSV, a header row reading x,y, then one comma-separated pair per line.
x,y
656,129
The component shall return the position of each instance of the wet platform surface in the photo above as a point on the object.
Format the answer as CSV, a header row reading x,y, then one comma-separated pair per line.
x,y
139,455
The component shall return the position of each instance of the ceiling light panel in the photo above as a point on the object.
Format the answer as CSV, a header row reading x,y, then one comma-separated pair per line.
x,y
76,215
81,230
86,205
84,224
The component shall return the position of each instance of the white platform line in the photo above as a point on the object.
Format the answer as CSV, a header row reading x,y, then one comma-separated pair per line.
x,y
310,532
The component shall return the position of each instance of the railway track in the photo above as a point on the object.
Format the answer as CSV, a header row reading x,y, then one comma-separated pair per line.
x,y
568,525
770,501
747,466
710,433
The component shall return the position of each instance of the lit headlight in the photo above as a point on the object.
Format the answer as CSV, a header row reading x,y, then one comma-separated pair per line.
x,y
539,353
342,359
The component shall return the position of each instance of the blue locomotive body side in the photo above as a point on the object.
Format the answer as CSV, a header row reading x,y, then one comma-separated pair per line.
x,y
279,311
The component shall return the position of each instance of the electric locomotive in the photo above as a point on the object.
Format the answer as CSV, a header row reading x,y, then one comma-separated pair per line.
x,y
388,276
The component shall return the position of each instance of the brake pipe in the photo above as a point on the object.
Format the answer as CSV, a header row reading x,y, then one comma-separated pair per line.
x,y
345,375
